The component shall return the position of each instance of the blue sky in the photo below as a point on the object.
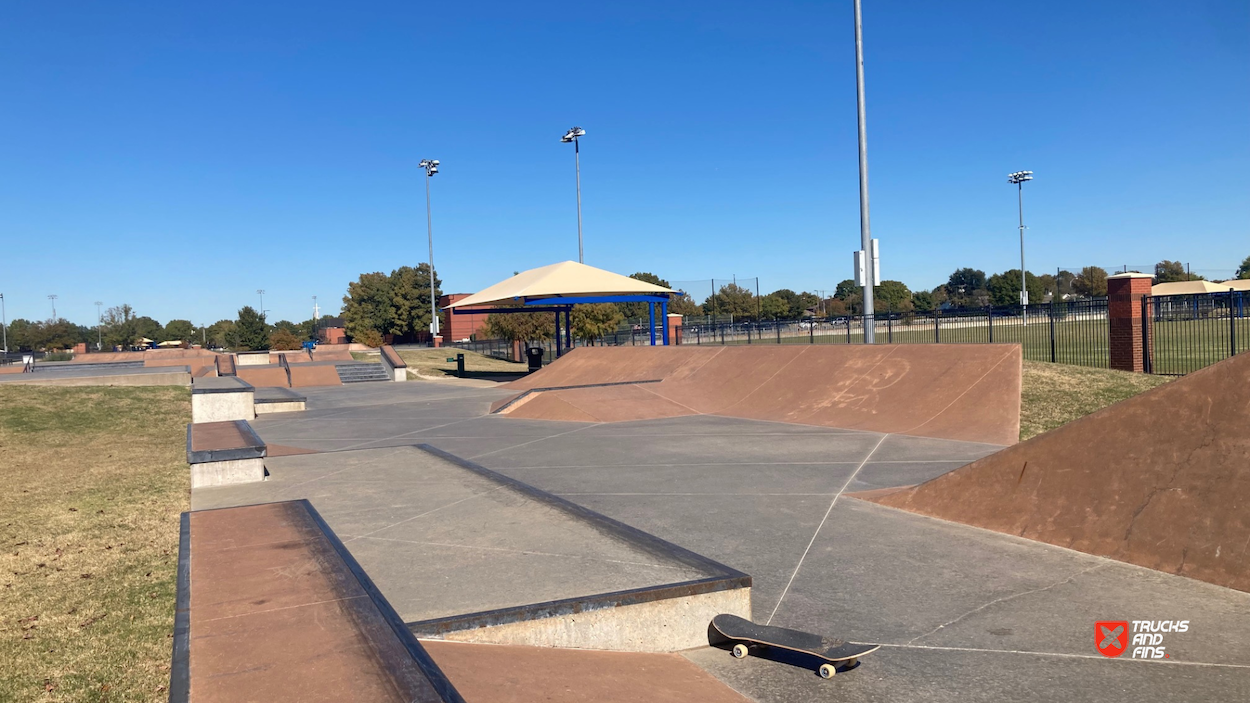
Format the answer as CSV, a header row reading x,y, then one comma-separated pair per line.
x,y
178,156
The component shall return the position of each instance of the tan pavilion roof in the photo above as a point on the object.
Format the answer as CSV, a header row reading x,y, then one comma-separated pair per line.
x,y
1190,287
563,280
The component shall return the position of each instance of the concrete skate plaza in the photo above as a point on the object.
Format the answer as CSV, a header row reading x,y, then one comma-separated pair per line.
x,y
964,613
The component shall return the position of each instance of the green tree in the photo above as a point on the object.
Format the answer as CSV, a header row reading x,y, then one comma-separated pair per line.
x,y
1171,272
634,311
923,301
892,296
1063,283
846,289
368,304
683,305
1004,288
148,328
520,326
221,334
179,330
1243,271
410,300
966,288
733,300
251,332
593,321
1091,282
774,306
290,328
119,327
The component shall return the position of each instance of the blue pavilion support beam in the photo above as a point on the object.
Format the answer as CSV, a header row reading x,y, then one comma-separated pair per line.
x,y
651,316
664,317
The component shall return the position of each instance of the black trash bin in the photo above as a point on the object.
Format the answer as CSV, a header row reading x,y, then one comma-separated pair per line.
x,y
534,355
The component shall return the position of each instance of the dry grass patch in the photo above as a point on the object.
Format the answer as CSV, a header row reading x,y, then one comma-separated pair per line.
x,y
92,481
1056,394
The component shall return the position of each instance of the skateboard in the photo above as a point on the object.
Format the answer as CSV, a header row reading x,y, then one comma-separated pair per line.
x,y
746,634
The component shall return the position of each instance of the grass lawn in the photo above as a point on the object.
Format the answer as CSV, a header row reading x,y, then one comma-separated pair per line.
x,y
1055,394
434,362
92,481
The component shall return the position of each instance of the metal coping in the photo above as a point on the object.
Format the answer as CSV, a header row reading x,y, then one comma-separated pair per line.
x,y
255,450
720,578
180,663
531,391
219,384
179,677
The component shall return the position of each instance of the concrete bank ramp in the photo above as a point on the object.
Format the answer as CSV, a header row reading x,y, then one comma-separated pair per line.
x,y
1161,480
965,392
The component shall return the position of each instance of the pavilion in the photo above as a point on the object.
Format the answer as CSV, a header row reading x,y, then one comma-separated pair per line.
x,y
558,287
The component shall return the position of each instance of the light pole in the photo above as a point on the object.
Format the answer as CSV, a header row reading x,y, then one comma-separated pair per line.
x,y
316,313
4,324
1018,178
53,298
99,332
261,293
431,168
572,136
865,232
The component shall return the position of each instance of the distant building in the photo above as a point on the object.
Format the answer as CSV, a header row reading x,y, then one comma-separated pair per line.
x,y
332,331
461,326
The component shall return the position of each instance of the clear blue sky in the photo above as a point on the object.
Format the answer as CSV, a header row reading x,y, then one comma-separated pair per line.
x,y
178,156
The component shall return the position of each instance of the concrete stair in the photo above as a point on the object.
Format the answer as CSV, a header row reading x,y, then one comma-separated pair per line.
x,y
362,373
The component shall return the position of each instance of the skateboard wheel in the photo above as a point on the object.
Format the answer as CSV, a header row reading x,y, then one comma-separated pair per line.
x,y
852,662
827,671
740,650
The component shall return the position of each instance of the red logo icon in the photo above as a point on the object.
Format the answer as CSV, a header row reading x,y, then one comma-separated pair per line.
x,y
1111,637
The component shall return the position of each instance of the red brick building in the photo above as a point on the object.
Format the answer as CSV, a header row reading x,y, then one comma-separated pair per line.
x,y
461,326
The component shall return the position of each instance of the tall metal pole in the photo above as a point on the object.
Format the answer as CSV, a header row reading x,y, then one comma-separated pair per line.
x,y
53,299
99,323
429,227
865,233
1024,291
577,165
4,324
261,293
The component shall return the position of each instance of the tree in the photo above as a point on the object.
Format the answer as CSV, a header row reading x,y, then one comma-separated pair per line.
x,y
683,305
1170,272
593,321
775,306
923,301
846,289
634,311
250,330
148,328
1063,283
410,300
368,304
966,288
283,340
1243,271
291,327
179,330
370,338
520,326
1091,282
892,296
1048,285
733,300
220,334
119,326
1004,288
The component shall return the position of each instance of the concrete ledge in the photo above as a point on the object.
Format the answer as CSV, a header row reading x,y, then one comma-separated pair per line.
x,y
277,400
221,398
162,378
226,473
252,358
223,441
393,363
662,618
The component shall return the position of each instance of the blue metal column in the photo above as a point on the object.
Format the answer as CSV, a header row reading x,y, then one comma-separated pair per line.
x,y
559,347
651,316
568,329
664,324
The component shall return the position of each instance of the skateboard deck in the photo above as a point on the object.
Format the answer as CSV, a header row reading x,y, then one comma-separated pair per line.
x,y
745,633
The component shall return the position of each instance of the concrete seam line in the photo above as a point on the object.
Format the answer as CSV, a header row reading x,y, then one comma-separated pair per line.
x,y
428,512
815,534
961,395
670,400
522,444
763,383
1066,655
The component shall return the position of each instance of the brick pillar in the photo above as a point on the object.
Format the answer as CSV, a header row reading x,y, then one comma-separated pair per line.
x,y
674,328
1124,317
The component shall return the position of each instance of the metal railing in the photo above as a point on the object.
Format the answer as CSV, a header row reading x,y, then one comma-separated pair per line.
x,y
1184,333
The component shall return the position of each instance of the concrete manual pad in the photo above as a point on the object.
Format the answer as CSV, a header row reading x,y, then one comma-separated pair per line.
x,y
485,673
444,543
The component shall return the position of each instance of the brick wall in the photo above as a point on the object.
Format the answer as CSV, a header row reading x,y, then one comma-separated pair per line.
x,y
1125,322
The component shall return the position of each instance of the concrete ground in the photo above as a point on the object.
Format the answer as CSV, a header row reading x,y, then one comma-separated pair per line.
x,y
964,614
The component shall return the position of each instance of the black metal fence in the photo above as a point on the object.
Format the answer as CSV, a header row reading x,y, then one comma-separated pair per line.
x,y
1072,332
1188,332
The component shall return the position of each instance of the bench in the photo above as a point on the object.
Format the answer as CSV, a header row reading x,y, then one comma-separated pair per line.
x,y
223,453
277,400
272,607
220,398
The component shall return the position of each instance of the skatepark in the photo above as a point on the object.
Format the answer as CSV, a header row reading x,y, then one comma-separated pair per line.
x,y
569,536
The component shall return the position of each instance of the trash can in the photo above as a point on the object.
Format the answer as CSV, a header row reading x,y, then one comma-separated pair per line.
x,y
534,355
